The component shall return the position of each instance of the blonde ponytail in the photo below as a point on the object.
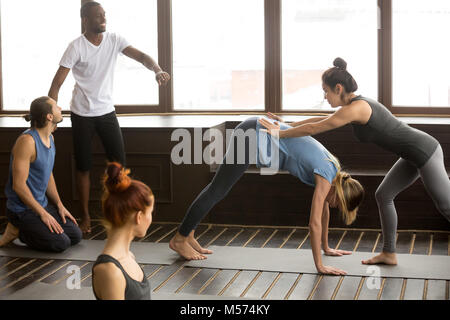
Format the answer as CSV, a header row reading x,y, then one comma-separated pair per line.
x,y
349,191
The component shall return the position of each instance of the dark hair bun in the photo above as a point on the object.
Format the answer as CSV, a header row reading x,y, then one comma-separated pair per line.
x,y
340,63
27,117
116,178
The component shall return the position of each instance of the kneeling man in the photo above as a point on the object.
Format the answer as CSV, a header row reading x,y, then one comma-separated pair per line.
x,y
37,223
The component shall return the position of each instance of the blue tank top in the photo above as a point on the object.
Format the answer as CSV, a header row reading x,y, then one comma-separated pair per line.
x,y
301,156
38,176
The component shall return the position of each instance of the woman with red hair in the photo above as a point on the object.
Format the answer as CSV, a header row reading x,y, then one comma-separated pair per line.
x,y
127,207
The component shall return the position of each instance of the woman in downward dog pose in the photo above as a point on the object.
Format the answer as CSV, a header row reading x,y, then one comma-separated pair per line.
x,y
127,207
304,158
420,154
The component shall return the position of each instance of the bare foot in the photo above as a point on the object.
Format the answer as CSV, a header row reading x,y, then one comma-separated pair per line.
x,y
85,225
181,245
11,233
382,258
196,246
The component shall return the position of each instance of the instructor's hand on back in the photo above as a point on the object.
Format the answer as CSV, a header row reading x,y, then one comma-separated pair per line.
x,y
270,115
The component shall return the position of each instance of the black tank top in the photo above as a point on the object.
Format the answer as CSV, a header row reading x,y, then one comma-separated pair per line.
x,y
134,290
391,134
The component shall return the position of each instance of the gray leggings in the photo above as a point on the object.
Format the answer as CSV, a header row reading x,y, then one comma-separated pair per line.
x,y
402,175
225,178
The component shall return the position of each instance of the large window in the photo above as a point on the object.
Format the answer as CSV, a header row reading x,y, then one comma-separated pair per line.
x,y
421,53
34,37
218,54
314,33
239,55
137,21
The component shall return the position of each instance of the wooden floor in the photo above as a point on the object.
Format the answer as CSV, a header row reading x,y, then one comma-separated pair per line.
x,y
17,273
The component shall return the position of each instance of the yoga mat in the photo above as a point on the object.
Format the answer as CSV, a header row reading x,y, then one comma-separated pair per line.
x,y
89,250
301,261
45,291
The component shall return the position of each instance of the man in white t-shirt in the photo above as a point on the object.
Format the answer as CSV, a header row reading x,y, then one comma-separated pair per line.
x,y
92,58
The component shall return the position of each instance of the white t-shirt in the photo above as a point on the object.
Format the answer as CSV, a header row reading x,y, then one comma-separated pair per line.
x,y
93,69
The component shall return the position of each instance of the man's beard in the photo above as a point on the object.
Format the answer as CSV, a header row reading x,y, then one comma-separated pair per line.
x,y
99,30
56,122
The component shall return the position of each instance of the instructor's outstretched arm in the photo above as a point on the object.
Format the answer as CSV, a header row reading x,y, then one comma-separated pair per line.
x,y
161,77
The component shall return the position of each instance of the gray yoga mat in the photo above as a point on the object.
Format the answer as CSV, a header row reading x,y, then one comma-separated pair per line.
x,y
89,250
44,291
301,261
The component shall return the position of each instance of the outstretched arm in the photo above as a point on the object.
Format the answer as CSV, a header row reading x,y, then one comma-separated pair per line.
x,y
338,119
309,120
58,80
133,53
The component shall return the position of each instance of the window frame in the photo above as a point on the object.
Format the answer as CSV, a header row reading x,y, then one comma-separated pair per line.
x,y
273,69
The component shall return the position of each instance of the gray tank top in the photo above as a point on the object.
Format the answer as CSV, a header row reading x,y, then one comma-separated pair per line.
x,y
134,290
391,134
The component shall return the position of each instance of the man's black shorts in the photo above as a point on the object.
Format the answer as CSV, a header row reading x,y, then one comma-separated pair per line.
x,y
107,128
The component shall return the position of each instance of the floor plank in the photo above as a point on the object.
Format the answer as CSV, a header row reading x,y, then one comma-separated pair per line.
x,y
440,244
210,235
199,281
334,236
422,243
160,234
282,286
368,241
178,280
348,288
350,240
243,237
414,289
304,287
261,285
35,276
436,290
242,280
279,238
260,238
326,287
370,288
222,278
392,289
299,237
21,271
13,266
163,274
226,237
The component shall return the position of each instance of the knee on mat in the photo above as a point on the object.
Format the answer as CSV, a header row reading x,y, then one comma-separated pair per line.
x,y
60,243
76,237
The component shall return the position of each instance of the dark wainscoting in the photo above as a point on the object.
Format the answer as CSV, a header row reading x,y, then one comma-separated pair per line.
x,y
256,199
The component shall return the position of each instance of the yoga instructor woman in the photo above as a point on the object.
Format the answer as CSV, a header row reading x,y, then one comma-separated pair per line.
x,y
420,154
